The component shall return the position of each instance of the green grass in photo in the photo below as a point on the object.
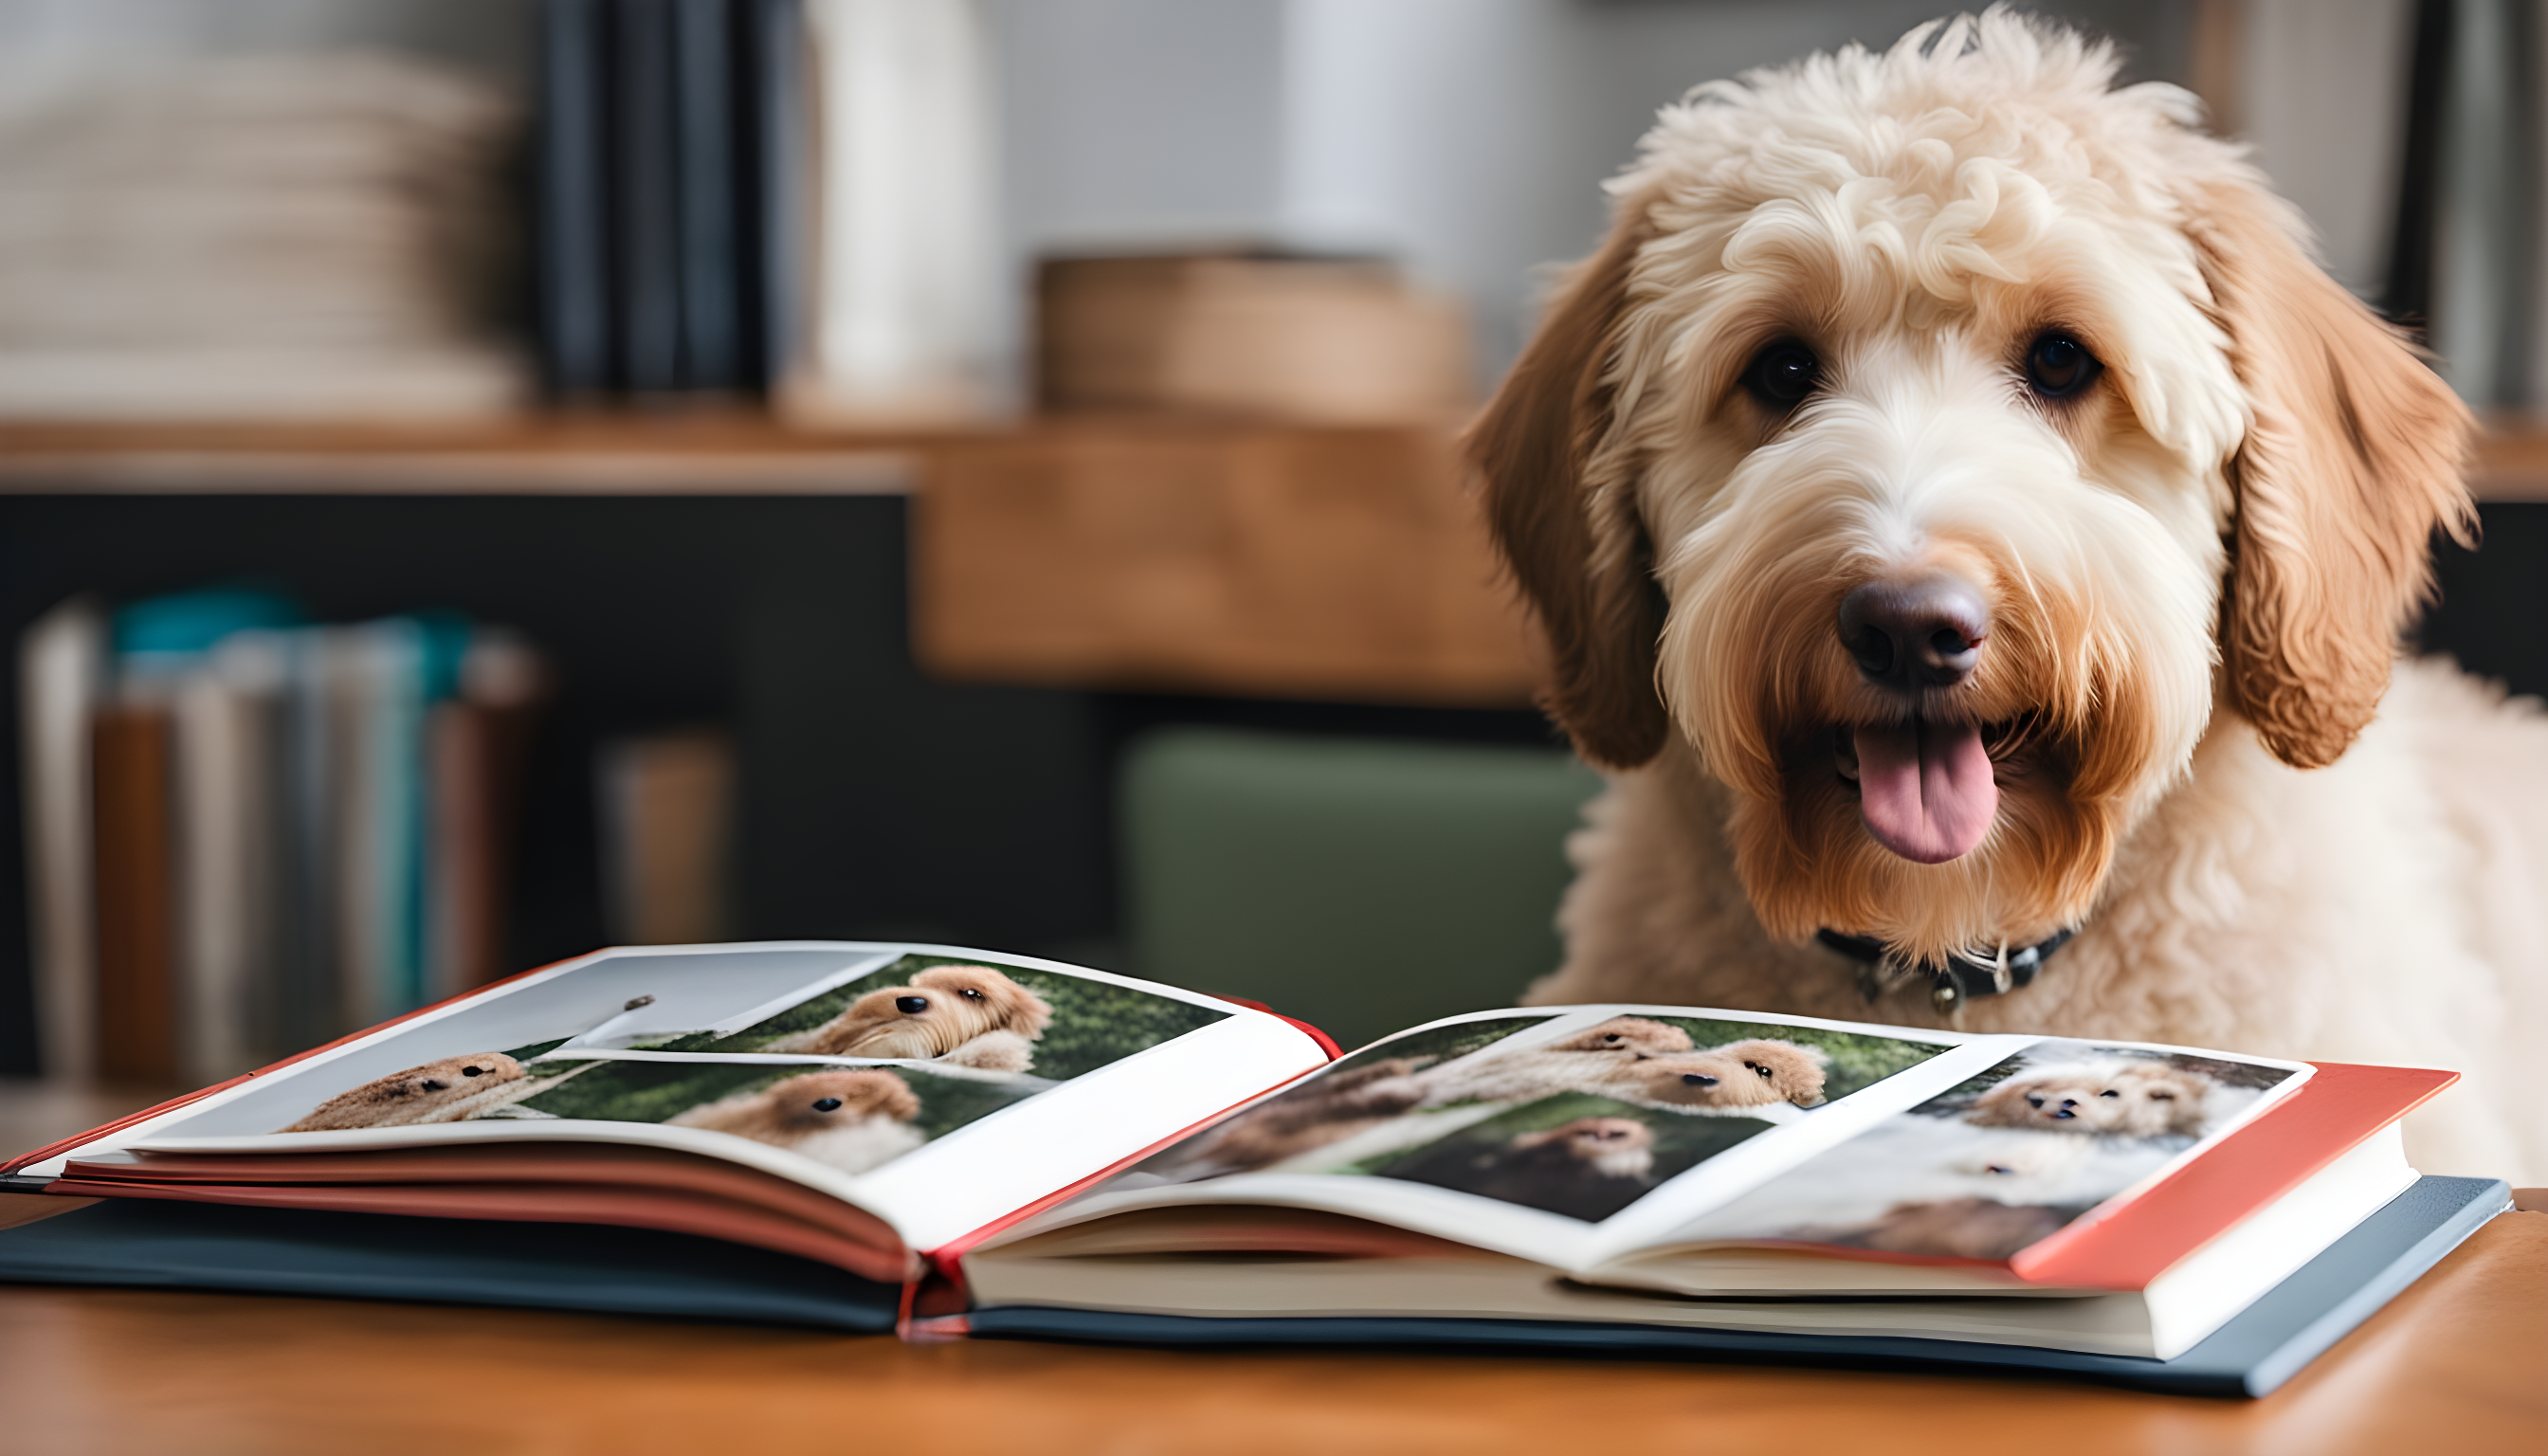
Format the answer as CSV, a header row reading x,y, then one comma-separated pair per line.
x,y
658,1091
1094,1023
1437,1045
1681,1140
1858,1060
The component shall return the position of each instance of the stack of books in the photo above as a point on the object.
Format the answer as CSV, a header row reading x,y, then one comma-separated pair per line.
x,y
247,834
667,156
233,237
964,1144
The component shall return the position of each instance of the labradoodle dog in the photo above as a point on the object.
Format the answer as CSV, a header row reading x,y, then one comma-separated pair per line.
x,y
1638,1060
444,1091
2131,1099
1961,515
852,1121
1318,1113
961,1014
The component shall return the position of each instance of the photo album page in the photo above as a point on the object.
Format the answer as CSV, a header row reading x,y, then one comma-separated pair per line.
x,y
937,1088
1578,1135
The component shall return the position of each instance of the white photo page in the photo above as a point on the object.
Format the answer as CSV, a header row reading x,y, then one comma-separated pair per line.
x,y
1581,1137
935,1087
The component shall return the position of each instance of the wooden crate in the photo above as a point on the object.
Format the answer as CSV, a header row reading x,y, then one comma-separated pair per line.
x,y
1317,563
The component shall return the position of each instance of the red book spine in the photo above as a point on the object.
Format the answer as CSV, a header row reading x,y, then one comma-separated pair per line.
x,y
136,888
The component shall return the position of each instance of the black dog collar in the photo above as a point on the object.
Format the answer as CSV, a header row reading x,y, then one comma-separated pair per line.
x,y
1952,985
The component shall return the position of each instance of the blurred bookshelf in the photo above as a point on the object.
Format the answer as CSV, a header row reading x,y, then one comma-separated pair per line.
x,y
905,636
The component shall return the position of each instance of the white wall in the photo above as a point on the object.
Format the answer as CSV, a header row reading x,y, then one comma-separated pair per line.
x,y
2325,84
1469,137
1139,123
491,37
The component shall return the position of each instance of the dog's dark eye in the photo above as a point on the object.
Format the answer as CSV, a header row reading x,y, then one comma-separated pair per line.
x,y
970,995
827,1103
431,1085
1757,1067
471,1071
2059,366
2109,1092
2033,1100
1783,375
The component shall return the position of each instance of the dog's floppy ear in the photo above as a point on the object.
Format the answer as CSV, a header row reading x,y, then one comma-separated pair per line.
x,y
1578,553
2350,462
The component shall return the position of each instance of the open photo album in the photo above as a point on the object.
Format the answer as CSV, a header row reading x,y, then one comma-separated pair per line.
x,y
998,1143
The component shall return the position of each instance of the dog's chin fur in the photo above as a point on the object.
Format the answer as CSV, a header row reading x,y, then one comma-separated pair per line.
x,y
2196,571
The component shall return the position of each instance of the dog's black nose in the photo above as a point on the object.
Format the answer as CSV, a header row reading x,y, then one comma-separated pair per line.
x,y
1699,1079
911,1005
1907,635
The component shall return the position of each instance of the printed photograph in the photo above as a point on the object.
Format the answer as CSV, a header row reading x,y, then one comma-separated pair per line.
x,y
968,1013
1432,1088
852,1119
1802,1067
2005,1159
1300,1131
966,1039
1583,1156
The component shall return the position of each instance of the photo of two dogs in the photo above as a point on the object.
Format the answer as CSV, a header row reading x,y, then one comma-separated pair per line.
x,y
1976,538
1985,1169
972,1019
1580,1121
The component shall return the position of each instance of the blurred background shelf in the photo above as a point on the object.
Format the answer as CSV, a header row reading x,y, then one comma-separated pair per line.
x,y
603,454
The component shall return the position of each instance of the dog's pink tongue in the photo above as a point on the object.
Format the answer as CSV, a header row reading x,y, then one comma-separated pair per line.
x,y
1925,788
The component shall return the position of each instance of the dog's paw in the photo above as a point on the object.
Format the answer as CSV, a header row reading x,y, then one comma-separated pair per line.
x,y
994,1051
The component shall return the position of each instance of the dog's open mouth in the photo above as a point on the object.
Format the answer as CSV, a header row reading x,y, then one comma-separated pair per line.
x,y
1925,786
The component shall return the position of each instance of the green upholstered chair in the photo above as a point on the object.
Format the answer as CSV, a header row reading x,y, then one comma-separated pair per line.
x,y
1360,884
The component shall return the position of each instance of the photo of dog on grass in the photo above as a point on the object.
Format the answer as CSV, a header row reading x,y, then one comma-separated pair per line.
x,y
964,1013
2015,1154
952,1040
850,1118
1584,1119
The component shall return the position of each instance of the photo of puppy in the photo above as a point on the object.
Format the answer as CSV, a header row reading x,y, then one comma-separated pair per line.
x,y
1314,1115
444,1091
1962,514
1364,1112
963,1015
852,1121
1990,1167
1778,1071
1588,1168
1642,1062
2131,1099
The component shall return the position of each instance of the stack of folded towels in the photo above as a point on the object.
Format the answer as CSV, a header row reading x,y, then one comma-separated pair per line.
x,y
315,237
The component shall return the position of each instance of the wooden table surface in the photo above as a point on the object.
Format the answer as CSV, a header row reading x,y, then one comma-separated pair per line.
x,y
2459,1364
